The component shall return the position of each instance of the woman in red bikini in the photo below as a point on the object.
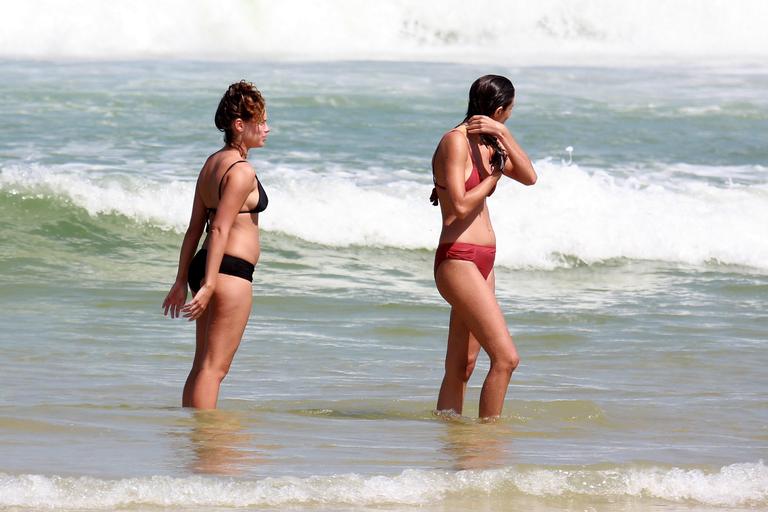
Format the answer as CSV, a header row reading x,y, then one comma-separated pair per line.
x,y
227,204
466,166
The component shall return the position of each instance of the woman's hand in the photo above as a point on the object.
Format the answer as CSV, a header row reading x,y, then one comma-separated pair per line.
x,y
485,125
196,307
175,299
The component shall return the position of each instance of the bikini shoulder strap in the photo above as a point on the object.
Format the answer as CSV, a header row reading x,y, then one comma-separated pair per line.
x,y
221,181
471,154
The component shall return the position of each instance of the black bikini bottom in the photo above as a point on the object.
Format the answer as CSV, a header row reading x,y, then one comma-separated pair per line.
x,y
230,265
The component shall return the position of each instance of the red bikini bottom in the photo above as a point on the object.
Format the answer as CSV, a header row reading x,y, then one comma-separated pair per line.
x,y
482,256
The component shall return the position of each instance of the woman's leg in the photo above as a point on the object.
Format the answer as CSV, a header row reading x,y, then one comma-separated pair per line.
x,y
228,314
201,339
460,359
474,303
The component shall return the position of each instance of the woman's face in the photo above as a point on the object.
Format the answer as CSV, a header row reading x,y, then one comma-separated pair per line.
x,y
502,114
255,132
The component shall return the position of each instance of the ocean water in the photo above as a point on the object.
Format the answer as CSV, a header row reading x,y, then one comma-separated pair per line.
x,y
633,275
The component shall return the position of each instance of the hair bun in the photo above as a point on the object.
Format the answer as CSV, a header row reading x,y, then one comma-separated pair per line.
x,y
242,100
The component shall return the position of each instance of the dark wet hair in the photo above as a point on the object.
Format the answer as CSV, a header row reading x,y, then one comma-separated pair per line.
x,y
241,101
487,94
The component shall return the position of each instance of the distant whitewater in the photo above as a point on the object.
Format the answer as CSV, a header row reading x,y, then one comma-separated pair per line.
x,y
512,31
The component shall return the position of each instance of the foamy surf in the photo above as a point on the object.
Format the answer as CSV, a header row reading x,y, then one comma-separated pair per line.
x,y
572,216
549,30
735,485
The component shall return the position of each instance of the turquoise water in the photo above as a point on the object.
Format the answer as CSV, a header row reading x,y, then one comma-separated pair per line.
x,y
633,277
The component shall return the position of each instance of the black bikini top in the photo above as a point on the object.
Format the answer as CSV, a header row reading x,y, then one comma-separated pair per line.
x,y
260,206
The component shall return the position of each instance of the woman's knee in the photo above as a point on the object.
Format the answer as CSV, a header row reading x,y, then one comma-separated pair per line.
x,y
506,361
470,367
462,369
216,370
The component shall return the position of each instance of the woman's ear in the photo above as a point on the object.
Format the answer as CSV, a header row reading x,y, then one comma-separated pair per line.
x,y
498,113
238,125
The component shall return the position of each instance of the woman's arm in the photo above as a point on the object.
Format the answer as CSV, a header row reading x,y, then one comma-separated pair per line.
x,y
452,153
176,298
518,165
234,193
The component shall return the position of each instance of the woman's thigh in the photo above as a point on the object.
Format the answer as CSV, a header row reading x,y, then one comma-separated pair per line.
x,y
473,303
461,342
228,316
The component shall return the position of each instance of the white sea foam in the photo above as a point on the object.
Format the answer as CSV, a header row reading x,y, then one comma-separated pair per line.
x,y
441,29
734,485
590,215
166,205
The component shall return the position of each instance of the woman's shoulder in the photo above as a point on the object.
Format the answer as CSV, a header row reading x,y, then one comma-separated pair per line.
x,y
219,168
218,163
458,132
454,142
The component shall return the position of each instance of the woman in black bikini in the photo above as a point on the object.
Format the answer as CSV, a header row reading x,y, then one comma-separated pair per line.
x,y
467,164
227,203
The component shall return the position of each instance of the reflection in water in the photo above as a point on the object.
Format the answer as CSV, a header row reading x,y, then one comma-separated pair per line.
x,y
473,445
219,443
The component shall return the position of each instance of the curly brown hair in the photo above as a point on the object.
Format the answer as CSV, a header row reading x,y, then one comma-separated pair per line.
x,y
241,101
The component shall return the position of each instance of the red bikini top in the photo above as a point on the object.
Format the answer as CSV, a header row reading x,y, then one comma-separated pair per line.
x,y
473,180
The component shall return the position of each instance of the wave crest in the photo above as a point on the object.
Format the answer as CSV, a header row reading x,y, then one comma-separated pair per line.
x,y
734,485
573,216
